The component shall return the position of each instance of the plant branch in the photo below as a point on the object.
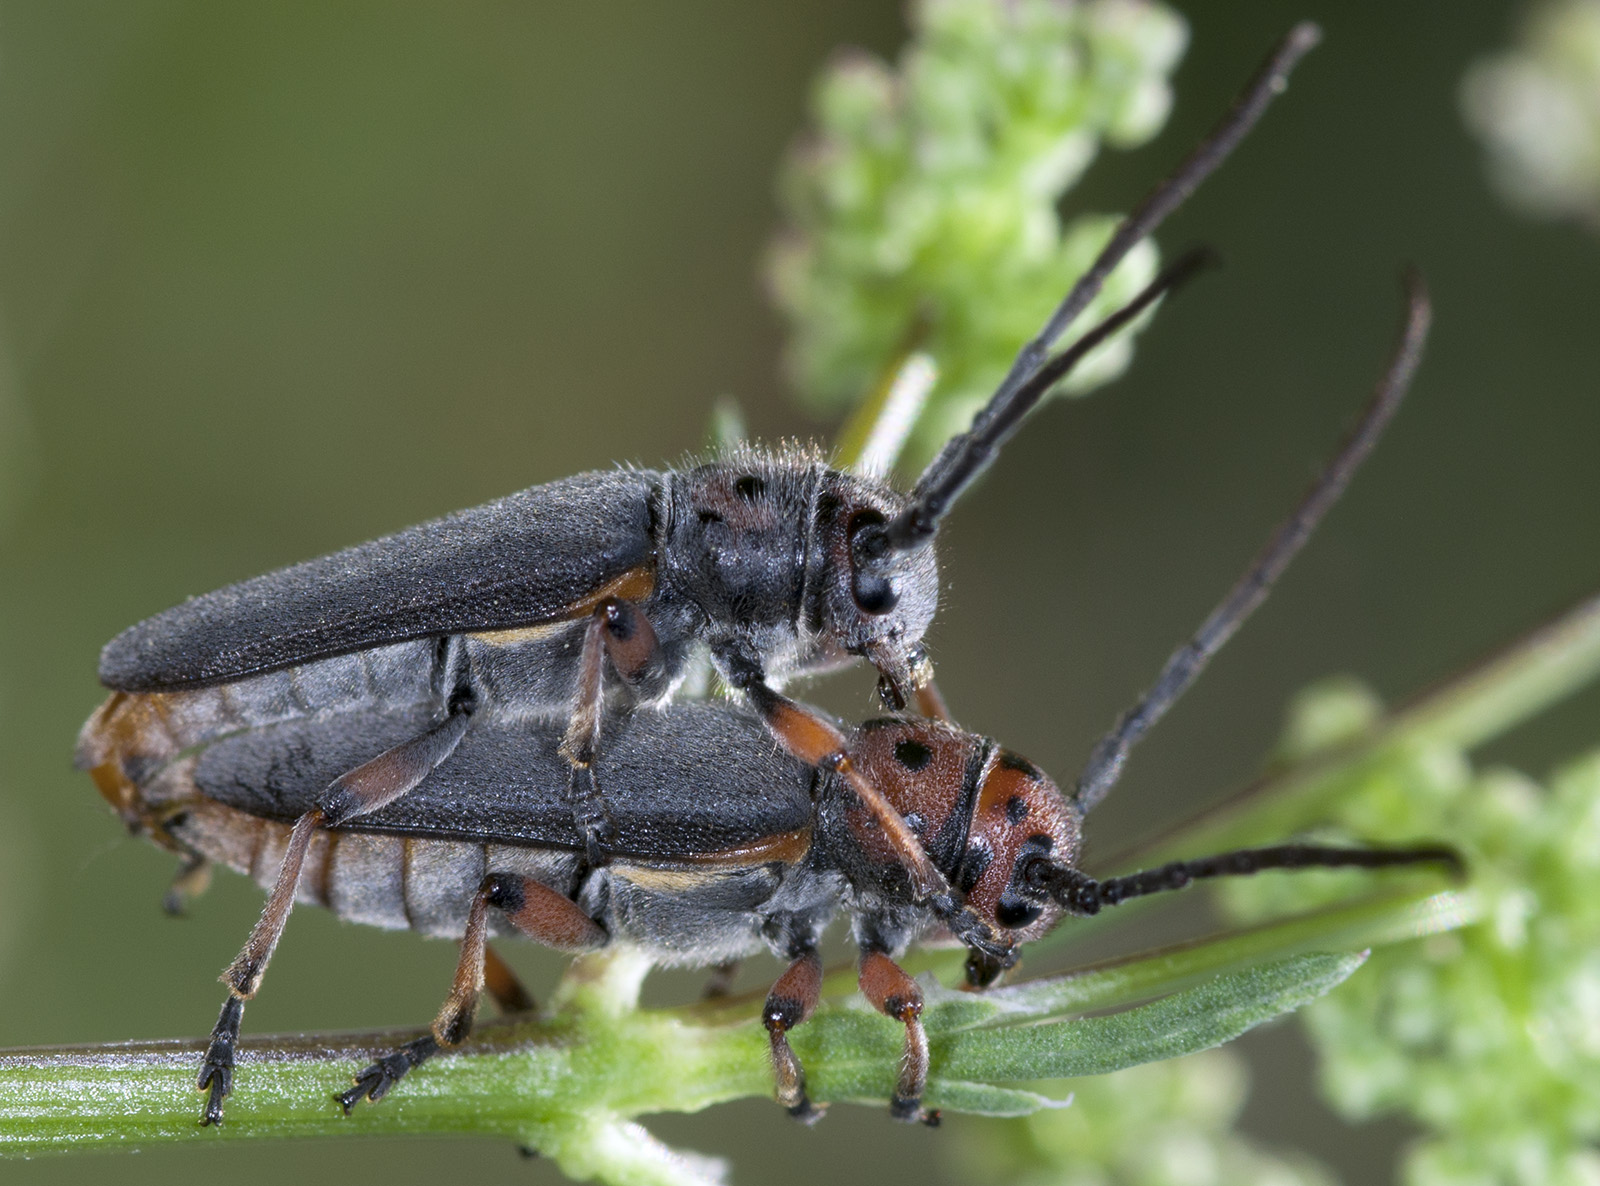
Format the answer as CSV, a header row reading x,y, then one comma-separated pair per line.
x,y
568,1084
1488,699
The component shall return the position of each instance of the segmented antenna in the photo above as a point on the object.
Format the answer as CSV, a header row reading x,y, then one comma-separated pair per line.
x,y
1083,895
1105,763
964,456
879,544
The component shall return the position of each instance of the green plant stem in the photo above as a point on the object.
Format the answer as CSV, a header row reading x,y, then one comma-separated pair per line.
x,y
569,1084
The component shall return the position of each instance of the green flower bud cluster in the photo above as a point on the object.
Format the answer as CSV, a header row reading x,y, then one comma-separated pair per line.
x,y
922,216
1537,109
1161,1124
1488,1037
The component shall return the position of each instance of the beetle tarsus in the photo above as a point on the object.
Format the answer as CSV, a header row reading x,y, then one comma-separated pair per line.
x,y
788,1073
806,1112
909,1111
374,1082
590,816
243,976
454,1022
893,993
793,999
220,1080
216,1069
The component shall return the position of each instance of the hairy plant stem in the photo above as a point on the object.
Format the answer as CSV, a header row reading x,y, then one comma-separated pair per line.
x,y
569,1083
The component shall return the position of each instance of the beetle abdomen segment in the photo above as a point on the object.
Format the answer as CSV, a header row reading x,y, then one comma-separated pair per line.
x,y
143,731
393,882
366,880
684,915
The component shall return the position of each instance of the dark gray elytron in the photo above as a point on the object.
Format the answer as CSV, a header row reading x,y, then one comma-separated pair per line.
x,y
719,842
570,599
723,846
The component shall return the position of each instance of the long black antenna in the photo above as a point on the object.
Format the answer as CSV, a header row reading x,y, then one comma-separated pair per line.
x,y
1083,895
869,548
964,456
1105,763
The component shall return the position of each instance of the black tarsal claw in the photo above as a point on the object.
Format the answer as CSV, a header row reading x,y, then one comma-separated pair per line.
x,y
374,1082
219,1078
216,1068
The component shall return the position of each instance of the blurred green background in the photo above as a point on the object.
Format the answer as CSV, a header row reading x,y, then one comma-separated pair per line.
x,y
277,278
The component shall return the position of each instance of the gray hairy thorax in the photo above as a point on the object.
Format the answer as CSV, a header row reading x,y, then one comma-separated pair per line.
x,y
732,554
753,557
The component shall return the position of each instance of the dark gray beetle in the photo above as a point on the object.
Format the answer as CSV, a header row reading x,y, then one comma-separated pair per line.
x,y
721,842
760,856
596,591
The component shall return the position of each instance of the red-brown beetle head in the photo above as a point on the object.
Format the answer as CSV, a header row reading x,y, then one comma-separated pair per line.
x,y
982,813
1019,817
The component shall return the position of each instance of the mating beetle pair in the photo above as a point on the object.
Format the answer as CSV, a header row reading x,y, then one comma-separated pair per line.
x,y
382,700
724,846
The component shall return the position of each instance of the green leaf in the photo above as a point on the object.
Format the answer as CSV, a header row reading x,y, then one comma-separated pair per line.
x,y
1183,1023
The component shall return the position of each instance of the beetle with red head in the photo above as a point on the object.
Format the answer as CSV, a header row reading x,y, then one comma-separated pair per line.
x,y
723,845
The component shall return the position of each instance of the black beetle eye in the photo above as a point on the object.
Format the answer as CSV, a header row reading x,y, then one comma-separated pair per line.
x,y
874,594
873,591
1014,912
749,487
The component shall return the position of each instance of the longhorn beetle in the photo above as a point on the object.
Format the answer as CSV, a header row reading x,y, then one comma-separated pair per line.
x,y
563,600
722,843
